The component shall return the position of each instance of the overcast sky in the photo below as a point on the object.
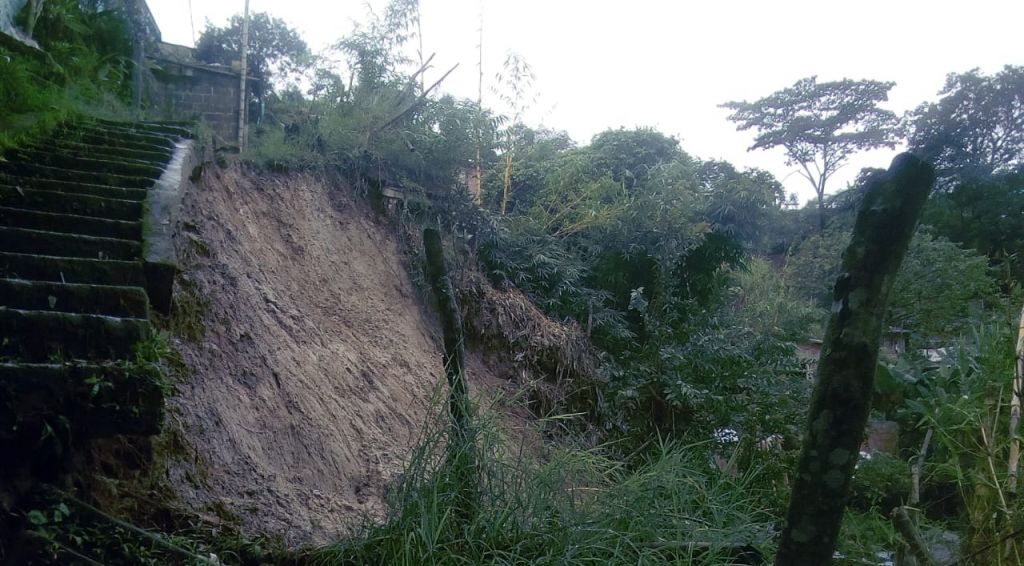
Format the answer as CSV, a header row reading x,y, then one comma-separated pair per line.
x,y
667,64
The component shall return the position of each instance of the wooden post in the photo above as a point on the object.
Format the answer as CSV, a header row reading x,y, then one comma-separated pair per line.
x,y
885,223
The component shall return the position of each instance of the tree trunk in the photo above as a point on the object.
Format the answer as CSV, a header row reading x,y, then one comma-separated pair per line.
x,y
820,189
451,326
841,402
461,459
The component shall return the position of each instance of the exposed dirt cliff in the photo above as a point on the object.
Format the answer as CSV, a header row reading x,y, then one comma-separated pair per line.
x,y
313,372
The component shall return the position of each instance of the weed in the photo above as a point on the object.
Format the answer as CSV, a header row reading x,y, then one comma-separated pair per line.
x,y
576,505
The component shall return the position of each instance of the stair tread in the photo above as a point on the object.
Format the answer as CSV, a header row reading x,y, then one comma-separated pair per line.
x,y
64,223
81,298
45,242
64,186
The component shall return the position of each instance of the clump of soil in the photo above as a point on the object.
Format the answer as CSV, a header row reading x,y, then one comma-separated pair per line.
x,y
312,364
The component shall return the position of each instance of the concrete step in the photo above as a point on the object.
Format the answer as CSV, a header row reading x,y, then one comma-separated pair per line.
x,y
112,142
167,129
41,336
75,149
40,242
61,174
72,270
73,187
116,137
70,224
68,203
92,164
97,399
74,298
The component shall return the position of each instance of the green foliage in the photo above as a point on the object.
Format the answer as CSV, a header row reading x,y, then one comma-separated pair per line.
x,y
863,535
635,240
85,67
881,483
985,214
964,401
977,127
742,204
632,157
763,301
575,506
374,50
276,52
932,294
941,288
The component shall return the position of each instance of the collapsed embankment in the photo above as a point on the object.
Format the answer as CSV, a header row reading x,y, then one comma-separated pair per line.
x,y
311,364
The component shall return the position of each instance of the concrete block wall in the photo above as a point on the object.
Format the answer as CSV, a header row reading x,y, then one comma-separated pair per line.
x,y
186,92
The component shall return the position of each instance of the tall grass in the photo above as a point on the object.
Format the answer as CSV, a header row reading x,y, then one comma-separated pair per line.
x,y
565,504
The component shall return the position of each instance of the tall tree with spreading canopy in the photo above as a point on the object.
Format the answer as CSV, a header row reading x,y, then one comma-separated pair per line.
x,y
976,128
275,50
819,125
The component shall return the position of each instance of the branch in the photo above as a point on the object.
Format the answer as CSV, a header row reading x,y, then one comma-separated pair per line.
x,y
416,104
412,79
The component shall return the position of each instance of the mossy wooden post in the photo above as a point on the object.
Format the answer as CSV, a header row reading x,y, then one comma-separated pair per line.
x,y
461,448
841,401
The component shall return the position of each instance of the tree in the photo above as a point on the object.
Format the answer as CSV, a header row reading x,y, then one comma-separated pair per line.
x,y
632,156
740,203
275,50
517,93
820,125
986,214
976,128
375,50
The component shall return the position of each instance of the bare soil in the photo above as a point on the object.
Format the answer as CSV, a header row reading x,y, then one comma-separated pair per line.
x,y
314,373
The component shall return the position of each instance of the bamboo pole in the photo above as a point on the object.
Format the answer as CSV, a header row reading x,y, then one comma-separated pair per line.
x,y
1015,401
904,523
242,98
915,473
885,223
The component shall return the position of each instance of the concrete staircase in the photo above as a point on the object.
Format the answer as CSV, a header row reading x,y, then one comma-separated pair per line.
x,y
77,282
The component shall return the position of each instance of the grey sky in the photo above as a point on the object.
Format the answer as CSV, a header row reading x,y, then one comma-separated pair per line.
x,y
668,64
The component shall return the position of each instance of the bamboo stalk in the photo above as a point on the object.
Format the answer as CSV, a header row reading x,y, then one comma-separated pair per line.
x,y
1015,401
915,473
905,525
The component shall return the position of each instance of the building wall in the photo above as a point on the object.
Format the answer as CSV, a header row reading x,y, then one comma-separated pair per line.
x,y
188,92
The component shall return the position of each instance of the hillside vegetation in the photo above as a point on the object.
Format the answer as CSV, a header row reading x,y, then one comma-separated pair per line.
x,y
638,319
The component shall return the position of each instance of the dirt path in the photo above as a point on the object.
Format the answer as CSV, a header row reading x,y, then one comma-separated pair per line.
x,y
312,379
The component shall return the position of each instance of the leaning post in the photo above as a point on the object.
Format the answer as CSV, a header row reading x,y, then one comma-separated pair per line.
x,y
885,223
